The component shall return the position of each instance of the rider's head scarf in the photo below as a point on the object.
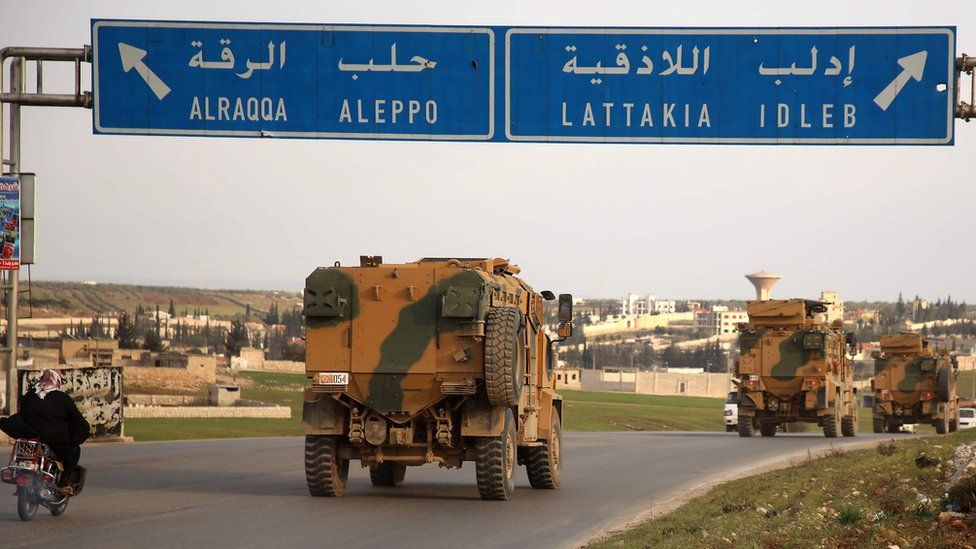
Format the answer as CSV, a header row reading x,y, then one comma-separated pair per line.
x,y
50,381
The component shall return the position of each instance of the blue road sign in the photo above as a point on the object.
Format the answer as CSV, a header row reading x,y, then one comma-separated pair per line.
x,y
282,80
878,86
774,86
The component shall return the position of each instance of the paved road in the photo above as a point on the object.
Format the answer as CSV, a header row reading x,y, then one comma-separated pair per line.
x,y
251,493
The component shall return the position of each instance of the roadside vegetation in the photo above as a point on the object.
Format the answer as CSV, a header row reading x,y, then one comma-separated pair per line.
x,y
273,388
878,497
584,410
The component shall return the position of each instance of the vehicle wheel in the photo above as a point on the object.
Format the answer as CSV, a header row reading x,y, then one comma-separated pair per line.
x,y
544,464
747,428
953,426
503,356
387,473
768,429
831,425
941,425
878,425
893,428
325,473
58,509
26,503
495,459
848,426
730,428
943,379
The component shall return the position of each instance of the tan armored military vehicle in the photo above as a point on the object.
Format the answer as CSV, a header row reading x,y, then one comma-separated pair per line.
x,y
443,360
794,368
913,384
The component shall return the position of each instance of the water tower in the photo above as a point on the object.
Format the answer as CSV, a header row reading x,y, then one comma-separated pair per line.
x,y
763,282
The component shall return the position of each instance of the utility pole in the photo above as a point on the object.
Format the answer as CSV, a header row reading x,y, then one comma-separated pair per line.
x,y
10,160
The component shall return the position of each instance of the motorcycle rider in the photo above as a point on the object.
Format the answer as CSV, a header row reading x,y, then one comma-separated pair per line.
x,y
53,415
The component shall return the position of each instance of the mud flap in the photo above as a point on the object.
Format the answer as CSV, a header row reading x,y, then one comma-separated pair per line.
x,y
479,419
822,398
320,415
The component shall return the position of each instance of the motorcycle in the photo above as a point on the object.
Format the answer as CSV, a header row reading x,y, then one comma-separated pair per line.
x,y
36,472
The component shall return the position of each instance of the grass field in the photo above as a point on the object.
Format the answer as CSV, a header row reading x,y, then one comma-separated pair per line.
x,y
583,411
865,498
273,388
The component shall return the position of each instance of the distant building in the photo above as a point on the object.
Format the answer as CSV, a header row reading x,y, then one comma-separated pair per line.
x,y
835,307
568,378
662,306
719,320
634,304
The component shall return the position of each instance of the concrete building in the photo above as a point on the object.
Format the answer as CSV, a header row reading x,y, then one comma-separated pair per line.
x,y
835,307
568,378
664,306
634,304
719,320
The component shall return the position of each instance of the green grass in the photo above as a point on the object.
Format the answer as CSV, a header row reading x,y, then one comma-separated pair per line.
x,y
273,388
830,502
583,411
591,411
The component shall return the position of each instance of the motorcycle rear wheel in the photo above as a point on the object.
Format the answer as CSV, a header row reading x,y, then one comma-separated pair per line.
x,y
27,501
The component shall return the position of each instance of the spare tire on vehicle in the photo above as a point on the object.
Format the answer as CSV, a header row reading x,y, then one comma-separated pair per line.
x,y
943,379
504,357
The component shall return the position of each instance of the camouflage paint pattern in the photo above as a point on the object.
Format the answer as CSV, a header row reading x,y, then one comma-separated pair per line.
x,y
907,370
394,336
784,346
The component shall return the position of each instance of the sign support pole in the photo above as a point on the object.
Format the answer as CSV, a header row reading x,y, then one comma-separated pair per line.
x,y
11,164
13,277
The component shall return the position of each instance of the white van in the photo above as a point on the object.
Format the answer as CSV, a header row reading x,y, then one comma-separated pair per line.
x,y
967,418
732,412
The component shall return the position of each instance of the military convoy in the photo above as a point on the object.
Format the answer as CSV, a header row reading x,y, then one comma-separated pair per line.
x,y
443,360
794,367
913,384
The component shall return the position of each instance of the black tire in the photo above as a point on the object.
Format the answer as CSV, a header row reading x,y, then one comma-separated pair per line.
x,y
325,473
893,427
943,379
878,425
941,425
495,462
503,356
953,426
27,502
831,426
730,428
768,429
387,473
848,426
58,509
544,464
747,428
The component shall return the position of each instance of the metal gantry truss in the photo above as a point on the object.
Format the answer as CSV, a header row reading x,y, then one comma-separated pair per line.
x,y
967,65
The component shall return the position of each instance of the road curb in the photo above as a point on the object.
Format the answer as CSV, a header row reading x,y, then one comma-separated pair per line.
x,y
679,496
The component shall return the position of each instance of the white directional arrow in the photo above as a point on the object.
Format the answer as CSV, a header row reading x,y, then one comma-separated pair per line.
x,y
132,59
912,67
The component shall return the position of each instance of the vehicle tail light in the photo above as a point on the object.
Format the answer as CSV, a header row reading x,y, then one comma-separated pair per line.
x,y
836,363
927,395
751,383
814,383
23,480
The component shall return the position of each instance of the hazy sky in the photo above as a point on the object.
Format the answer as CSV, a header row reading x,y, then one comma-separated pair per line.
x,y
679,221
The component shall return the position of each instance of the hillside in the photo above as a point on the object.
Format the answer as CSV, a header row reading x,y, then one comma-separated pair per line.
x,y
51,299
